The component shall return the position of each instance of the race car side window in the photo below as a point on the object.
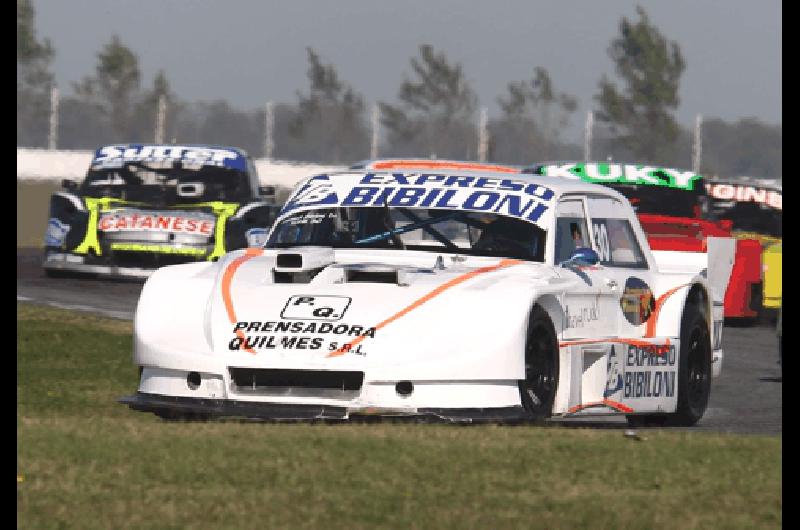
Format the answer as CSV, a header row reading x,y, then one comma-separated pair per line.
x,y
252,175
614,239
571,229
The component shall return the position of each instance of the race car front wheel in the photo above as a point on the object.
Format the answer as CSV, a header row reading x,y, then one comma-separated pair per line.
x,y
538,389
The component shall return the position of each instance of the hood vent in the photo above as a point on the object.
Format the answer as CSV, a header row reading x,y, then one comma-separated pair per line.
x,y
289,261
301,264
371,276
294,277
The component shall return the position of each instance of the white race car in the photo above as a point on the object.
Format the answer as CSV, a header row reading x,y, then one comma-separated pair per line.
x,y
460,296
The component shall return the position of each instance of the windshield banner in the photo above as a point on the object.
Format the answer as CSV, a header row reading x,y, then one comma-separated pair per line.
x,y
605,173
517,198
745,193
113,156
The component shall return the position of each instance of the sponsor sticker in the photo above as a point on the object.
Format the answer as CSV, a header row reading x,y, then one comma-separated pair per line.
x,y
308,307
650,371
614,381
116,155
317,191
744,193
56,233
580,316
637,301
605,173
139,221
299,335
506,196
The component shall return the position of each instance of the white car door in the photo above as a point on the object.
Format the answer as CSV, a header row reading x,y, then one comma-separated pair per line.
x,y
589,304
642,368
591,307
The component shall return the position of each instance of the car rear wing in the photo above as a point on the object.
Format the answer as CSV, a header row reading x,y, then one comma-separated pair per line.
x,y
716,263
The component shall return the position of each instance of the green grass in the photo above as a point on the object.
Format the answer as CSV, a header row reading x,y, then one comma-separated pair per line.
x,y
85,461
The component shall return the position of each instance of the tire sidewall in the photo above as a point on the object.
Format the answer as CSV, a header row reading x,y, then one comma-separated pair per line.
x,y
687,412
539,321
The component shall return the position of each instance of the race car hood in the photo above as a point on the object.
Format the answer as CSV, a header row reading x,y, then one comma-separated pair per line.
x,y
354,312
341,310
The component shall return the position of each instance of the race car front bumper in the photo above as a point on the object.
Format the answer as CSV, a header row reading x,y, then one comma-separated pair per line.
x,y
178,407
59,261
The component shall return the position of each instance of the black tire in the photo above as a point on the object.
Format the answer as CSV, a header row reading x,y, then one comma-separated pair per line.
x,y
694,375
694,372
538,389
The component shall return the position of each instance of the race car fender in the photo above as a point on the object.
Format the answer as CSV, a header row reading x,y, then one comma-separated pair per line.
x,y
158,336
67,221
684,273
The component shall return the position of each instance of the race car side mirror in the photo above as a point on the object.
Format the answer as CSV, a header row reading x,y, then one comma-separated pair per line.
x,y
584,256
68,184
266,191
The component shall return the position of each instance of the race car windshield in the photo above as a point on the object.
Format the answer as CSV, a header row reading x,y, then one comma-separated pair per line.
x,y
137,181
453,231
661,200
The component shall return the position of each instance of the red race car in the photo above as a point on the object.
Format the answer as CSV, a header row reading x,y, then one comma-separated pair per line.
x,y
674,210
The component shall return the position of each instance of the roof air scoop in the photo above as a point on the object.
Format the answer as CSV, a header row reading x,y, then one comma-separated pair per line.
x,y
301,264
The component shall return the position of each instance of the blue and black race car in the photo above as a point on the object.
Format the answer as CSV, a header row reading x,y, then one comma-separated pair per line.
x,y
143,206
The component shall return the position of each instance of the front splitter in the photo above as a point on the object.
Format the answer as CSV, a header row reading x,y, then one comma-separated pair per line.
x,y
174,407
110,271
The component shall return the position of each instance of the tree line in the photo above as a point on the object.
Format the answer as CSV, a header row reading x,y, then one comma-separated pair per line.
x,y
435,113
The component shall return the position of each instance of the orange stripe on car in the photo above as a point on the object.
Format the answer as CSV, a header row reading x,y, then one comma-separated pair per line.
x,y
434,293
632,342
651,323
227,278
605,403
432,164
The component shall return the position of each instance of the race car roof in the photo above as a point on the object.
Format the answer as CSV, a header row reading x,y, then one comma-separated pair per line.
x,y
115,155
527,197
433,164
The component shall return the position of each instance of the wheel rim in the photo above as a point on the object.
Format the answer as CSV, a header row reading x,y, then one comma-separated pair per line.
x,y
539,370
698,376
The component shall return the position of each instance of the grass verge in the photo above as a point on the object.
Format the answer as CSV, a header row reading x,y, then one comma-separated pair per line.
x,y
85,461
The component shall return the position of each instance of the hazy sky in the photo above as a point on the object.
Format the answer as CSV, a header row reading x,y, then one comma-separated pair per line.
x,y
249,51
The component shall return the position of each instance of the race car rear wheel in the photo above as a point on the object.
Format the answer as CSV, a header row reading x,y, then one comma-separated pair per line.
x,y
694,373
538,389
